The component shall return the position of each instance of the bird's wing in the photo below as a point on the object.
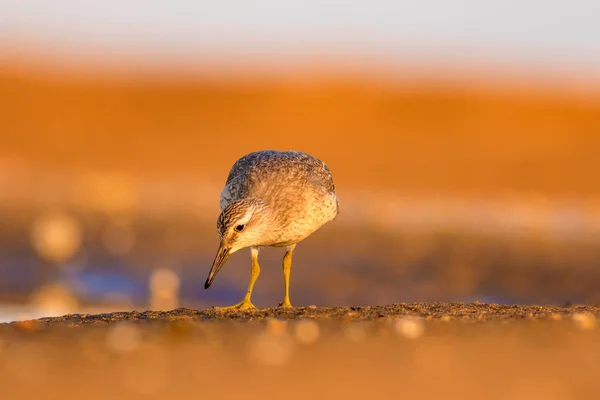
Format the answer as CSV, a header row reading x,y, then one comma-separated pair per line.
x,y
252,168
236,185
327,178
321,174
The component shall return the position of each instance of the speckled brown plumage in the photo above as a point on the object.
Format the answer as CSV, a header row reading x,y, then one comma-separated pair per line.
x,y
272,198
297,188
295,167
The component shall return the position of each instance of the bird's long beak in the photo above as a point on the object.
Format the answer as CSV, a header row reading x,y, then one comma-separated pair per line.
x,y
222,255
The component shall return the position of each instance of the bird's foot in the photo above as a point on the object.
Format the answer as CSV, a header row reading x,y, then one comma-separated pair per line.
x,y
242,305
285,304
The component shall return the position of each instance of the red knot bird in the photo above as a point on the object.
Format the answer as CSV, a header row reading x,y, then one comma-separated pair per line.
x,y
272,198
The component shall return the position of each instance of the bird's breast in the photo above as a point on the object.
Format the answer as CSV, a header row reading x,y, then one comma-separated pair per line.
x,y
304,218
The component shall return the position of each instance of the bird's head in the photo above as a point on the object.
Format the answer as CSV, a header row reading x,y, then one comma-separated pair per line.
x,y
241,224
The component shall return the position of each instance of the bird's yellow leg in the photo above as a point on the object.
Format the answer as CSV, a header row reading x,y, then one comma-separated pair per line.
x,y
246,304
287,266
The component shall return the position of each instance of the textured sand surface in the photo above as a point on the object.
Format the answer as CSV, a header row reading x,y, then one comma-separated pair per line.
x,y
428,311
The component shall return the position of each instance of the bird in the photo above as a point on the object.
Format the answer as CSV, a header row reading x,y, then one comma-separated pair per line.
x,y
272,199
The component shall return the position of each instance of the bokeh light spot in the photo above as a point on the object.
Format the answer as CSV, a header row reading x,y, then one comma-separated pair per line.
x,y
118,237
164,289
585,320
56,236
54,299
272,349
409,327
124,337
276,326
307,331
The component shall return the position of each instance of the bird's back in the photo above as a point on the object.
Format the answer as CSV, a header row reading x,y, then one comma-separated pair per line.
x,y
271,175
297,187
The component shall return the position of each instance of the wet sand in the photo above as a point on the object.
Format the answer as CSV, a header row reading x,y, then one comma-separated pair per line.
x,y
419,350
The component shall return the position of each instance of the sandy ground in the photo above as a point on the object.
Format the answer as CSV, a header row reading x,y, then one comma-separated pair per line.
x,y
433,350
428,311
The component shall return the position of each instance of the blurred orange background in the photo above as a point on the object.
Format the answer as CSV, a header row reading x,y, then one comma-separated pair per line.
x,y
456,181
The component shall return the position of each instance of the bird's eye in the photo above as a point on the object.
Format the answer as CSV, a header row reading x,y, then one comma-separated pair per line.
x,y
239,228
